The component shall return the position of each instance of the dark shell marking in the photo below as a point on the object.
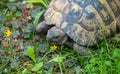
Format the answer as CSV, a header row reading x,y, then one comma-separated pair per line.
x,y
84,21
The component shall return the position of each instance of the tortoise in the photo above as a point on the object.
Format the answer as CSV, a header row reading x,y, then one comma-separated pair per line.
x,y
85,22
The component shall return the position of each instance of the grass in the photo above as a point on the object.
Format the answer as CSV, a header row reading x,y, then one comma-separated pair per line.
x,y
26,52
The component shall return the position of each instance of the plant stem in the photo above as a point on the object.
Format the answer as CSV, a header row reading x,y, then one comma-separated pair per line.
x,y
60,68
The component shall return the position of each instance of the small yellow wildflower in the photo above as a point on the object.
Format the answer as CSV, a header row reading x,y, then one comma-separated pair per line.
x,y
8,32
54,47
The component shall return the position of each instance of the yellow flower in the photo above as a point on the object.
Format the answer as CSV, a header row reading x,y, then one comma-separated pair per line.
x,y
8,32
54,47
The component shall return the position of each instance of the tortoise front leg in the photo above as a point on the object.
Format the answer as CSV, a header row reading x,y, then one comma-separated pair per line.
x,y
82,50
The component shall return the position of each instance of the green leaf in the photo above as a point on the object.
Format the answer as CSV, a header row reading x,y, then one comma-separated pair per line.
x,y
38,1
15,33
116,53
37,66
58,59
16,24
37,17
108,63
47,2
116,39
118,67
18,14
24,71
14,63
31,54
77,69
43,48
12,8
40,72
34,1
93,61
3,18
12,0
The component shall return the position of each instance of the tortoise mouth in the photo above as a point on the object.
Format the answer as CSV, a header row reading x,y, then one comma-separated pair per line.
x,y
57,41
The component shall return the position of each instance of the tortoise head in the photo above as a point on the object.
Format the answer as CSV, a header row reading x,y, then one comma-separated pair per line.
x,y
56,36
43,27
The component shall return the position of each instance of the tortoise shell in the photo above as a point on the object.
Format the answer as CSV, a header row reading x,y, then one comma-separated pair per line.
x,y
84,21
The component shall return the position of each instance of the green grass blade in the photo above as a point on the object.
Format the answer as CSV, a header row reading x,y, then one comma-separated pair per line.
x,y
37,17
34,1
39,1
46,2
